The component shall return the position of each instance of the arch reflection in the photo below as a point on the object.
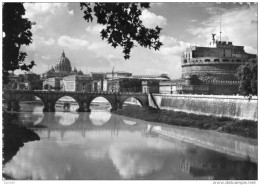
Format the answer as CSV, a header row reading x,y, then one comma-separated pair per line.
x,y
66,118
99,118
129,122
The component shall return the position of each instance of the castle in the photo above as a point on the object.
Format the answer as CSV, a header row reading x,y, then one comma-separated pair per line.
x,y
210,70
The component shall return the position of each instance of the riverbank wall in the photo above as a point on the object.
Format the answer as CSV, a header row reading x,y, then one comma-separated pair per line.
x,y
238,107
245,148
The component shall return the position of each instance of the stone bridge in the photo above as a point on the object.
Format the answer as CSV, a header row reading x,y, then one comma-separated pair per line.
x,y
84,99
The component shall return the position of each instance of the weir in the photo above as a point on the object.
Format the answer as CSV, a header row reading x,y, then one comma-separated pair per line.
x,y
238,107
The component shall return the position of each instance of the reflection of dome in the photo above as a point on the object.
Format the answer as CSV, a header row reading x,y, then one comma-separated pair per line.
x,y
63,64
99,118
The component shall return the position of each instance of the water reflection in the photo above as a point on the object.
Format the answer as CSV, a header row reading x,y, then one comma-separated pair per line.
x,y
129,122
99,117
100,145
65,118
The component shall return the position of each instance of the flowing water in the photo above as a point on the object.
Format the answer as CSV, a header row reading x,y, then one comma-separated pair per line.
x,y
100,145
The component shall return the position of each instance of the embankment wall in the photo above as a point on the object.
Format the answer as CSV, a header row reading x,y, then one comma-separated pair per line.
x,y
238,107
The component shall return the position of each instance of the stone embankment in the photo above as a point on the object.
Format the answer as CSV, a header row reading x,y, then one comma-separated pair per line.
x,y
238,107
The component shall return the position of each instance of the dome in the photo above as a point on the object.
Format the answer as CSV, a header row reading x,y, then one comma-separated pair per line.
x,y
63,64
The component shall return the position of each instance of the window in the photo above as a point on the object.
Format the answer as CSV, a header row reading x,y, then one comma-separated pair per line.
x,y
185,60
238,60
216,60
207,60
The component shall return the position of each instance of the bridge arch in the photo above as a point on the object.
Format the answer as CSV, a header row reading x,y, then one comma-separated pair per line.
x,y
109,99
70,99
140,101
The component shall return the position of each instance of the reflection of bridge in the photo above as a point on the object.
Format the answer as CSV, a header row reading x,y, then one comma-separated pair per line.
x,y
83,123
84,99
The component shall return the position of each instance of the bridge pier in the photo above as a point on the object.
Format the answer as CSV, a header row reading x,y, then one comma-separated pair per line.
x,y
49,107
113,109
81,109
13,106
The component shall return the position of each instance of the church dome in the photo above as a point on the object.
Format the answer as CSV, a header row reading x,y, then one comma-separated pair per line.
x,y
63,64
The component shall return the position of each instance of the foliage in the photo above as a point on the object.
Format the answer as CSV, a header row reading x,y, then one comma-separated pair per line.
x,y
245,128
34,80
47,87
80,72
123,25
16,32
247,74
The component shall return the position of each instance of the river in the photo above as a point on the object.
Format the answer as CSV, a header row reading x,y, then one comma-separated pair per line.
x,y
104,146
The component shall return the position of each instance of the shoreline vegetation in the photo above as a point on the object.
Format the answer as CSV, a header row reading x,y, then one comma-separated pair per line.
x,y
244,128
14,136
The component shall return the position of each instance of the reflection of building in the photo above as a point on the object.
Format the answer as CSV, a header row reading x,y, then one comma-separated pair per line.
x,y
218,168
211,70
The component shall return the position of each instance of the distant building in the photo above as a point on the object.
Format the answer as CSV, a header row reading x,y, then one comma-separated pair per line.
x,y
218,62
98,81
170,87
76,83
52,83
61,69
150,83
124,85
136,83
118,74
211,70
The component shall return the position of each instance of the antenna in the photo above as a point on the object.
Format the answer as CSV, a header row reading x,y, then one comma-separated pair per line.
x,y
220,27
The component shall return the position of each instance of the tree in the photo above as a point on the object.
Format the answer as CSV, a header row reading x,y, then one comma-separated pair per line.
x,y
16,32
247,74
46,86
123,25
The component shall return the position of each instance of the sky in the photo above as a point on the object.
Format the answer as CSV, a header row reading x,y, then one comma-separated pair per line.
x,y
60,26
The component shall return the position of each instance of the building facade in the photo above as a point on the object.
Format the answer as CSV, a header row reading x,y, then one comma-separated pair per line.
x,y
136,83
52,83
76,83
211,70
98,81
216,63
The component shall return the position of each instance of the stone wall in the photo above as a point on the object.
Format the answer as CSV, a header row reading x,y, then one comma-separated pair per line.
x,y
241,147
223,106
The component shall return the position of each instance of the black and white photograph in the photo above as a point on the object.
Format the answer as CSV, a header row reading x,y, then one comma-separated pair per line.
x,y
130,91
